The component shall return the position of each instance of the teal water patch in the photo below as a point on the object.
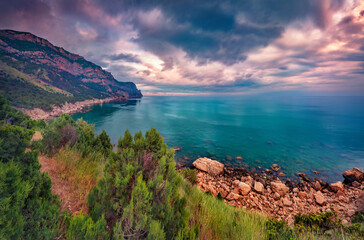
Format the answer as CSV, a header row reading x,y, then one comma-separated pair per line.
x,y
299,133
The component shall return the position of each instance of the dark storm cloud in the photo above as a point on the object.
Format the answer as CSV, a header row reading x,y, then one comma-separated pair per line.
x,y
124,57
207,45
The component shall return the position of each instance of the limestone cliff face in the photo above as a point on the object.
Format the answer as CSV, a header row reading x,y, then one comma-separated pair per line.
x,y
35,60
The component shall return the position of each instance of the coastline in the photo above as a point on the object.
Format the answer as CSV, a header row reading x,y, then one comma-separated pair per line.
x,y
279,197
69,108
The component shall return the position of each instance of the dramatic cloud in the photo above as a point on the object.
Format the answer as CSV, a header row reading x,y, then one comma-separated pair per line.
x,y
190,47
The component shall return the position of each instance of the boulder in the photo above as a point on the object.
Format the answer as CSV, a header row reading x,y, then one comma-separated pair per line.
x,y
244,188
302,195
233,196
275,167
287,202
258,187
316,185
279,187
338,186
352,175
212,167
320,199
248,180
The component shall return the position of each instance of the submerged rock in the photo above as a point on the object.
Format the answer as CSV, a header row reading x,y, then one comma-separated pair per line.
x,y
275,167
212,167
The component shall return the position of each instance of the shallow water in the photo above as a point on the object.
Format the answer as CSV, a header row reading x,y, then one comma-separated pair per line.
x,y
299,133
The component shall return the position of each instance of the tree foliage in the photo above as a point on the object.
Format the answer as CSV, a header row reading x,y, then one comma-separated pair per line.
x,y
139,194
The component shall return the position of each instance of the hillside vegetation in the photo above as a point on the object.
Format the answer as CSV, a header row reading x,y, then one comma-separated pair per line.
x,y
134,192
35,73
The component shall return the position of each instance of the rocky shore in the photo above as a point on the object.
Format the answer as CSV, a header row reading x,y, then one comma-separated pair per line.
x,y
282,199
69,108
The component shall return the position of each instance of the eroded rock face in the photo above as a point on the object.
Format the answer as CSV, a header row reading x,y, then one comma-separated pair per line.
x,y
352,175
212,167
279,187
338,186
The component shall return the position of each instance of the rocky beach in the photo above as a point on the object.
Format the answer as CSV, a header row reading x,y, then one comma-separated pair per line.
x,y
278,197
69,108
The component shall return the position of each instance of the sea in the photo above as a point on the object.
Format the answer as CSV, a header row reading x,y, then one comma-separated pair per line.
x,y
299,133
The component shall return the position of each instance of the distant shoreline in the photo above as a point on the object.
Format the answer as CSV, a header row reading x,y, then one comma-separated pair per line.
x,y
69,108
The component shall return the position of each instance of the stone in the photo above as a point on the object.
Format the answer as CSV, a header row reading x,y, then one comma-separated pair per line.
x,y
238,158
315,172
351,212
287,202
354,174
275,167
223,192
244,188
304,177
319,197
295,190
233,196
356,184
316,185
276,196
212,190
279,188
258,187
281,174
212,167
360,203
338,186
248,180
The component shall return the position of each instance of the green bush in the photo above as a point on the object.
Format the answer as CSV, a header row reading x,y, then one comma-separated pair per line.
x,y
82,227
189,175
139,195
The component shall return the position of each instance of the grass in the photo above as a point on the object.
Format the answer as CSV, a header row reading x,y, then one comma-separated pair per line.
x,y
217,220
79,174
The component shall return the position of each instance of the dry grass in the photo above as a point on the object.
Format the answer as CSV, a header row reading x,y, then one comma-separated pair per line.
x,y
72,177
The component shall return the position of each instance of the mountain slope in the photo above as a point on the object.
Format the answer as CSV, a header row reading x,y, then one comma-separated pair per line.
x,y
35,73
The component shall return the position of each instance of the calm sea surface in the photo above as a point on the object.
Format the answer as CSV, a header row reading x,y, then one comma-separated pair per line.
x,y
299,133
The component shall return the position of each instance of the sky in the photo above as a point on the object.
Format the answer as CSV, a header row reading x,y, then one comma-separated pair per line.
x,y
185,47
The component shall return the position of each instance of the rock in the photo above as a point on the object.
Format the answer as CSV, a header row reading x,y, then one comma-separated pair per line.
x,y
248,180
233,196
351,212
290,220
281,174
319,197
352,175
212,167
258,187
223,193
276,196
244,188
303,177
212,190
338,186
295,190
360,203
317,186
177,149
268,171
238,158
279,188
287,202
356,184
275,167
315,172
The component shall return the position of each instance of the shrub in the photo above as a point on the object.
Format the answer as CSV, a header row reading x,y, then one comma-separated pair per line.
x,y
189,175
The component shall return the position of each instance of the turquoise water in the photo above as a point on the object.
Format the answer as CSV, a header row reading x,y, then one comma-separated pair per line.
x,y
299,133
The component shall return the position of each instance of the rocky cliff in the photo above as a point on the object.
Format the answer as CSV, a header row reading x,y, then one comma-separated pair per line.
x,y
35,73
